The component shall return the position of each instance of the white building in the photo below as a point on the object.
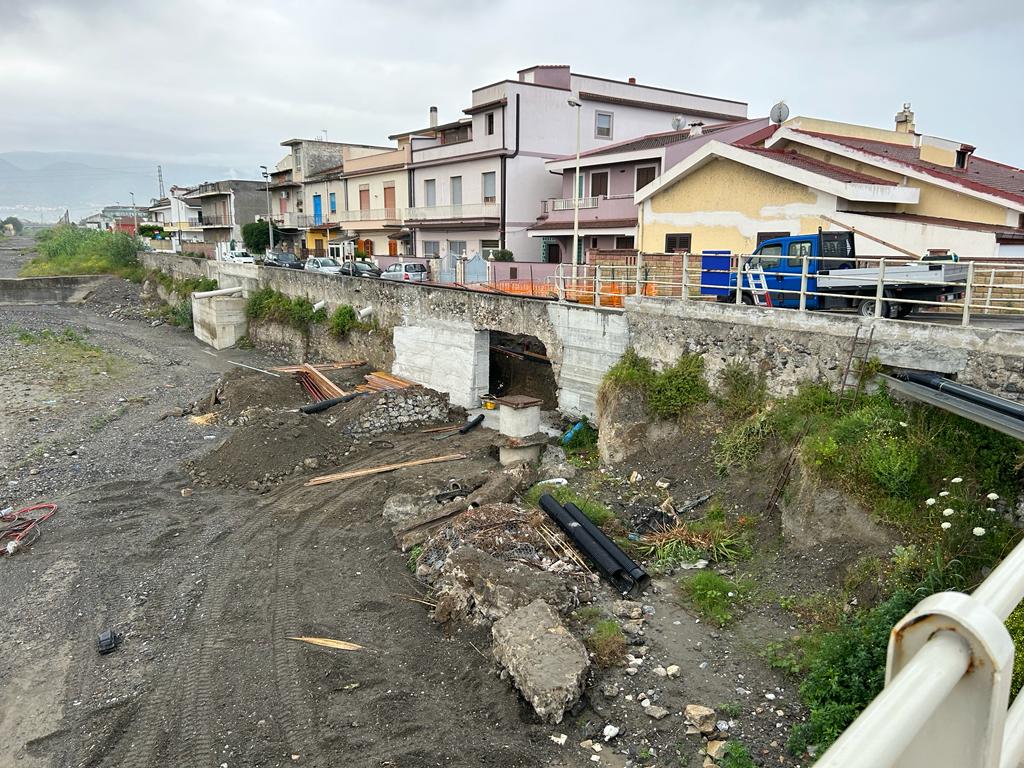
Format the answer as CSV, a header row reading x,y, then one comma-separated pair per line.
x,y
179,218
476,183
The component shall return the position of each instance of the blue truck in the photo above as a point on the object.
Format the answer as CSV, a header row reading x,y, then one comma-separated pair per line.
x,y
772,276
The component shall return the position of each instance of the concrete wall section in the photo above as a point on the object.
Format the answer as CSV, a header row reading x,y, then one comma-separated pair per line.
x,y
448,357
591,343
49,290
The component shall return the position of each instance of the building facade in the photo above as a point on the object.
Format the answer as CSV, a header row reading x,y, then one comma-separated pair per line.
x,y
225,206
903,192
178,217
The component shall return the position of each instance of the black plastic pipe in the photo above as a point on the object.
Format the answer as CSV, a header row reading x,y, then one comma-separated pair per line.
x,y
977,396
323,405
637,574
631,581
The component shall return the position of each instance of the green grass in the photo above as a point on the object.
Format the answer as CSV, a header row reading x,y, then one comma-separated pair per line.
x,y
414,557
63,358
606,643
669,393
735,755
68,250
713,596
712,538
595,511
742,392
581,450
268,304
343,320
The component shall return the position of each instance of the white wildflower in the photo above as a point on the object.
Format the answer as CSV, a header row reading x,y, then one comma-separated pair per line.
x,y
992,496
957,480
943,493
947,512
979,531
946,525
903,424
929,502
990,509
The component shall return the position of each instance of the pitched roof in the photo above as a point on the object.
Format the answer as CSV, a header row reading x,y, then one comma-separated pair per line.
x,y
981,175
1002,233
819,166
650,141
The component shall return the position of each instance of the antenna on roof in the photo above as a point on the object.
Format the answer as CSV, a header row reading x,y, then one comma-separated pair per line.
x,y
678,122
779,113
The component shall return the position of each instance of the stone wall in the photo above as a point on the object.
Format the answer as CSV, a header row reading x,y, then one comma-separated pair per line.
x,y
395,410
321,346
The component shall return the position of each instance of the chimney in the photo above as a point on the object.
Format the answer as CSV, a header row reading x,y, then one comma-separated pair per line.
x,y
433,117
632,81
905,120
696,129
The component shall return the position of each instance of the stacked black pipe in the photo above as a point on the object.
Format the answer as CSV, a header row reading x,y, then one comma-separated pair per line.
x,y
616,566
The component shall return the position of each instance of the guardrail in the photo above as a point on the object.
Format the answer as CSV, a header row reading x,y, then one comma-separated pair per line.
x,y
946,701
880,287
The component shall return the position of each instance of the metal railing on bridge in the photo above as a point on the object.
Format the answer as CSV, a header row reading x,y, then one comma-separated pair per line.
x,y
962,290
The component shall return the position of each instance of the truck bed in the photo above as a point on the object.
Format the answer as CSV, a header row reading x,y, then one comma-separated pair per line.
x,y
904,274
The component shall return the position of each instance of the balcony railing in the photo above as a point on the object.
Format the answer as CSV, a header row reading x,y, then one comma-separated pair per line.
x,y
469,211
371,214
216,221
566,203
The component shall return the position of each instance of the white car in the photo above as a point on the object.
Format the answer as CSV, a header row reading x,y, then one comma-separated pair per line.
x,y
238,257
325,265
414,272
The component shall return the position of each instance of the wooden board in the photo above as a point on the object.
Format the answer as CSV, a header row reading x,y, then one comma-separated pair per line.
x,y
381,469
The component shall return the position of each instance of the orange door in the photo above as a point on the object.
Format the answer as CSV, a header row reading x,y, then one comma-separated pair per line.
x,y
364,199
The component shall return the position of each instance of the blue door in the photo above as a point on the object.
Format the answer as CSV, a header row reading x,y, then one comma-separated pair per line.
x,y
788,277
318,210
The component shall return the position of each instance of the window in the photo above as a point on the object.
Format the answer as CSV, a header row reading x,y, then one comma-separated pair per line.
x,y
457,247
645,175
762,236
456,190
593,242
488,247
602,125
678,243
489,123
797,252
770,258
489,187
333,203
431,248
599,183
364,197
624,242
430,192
962,156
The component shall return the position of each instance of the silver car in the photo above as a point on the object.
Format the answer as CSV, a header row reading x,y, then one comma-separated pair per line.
x,y
414,272
323,264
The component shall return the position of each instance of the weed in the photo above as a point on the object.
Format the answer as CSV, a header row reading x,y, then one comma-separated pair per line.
x,y
606,642
630,372
581,449
414,558
783,656
711,538
343,320
743,442
587,614
181,314
668,393
741,391
268,304
1015,625
245,343
713,595
730,709
735,755
595,511
77,251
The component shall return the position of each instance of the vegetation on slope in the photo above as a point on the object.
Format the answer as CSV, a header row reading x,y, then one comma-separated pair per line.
x,y
68,250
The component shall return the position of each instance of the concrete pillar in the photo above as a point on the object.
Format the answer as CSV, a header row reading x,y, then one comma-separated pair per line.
x,y
451,358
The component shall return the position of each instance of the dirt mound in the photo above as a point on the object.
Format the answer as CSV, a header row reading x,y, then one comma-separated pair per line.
x,y
241,393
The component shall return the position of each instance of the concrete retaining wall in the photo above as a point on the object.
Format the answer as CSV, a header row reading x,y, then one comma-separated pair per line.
x,y
70,289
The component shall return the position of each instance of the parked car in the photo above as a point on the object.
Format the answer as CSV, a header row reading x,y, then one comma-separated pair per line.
x,y
324,265
415,272
360,269
238,257
282,259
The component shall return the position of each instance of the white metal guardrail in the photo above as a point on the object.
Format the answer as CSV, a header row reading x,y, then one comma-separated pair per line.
x,y
947,686
875,286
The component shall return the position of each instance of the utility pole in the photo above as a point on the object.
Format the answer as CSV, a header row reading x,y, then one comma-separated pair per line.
x,y
135,216
270,219
160,180
576,193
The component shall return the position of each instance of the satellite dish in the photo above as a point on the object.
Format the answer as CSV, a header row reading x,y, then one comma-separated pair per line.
x,y
678,122
779,113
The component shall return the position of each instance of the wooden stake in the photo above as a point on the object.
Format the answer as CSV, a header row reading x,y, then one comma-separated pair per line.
x,y
386,468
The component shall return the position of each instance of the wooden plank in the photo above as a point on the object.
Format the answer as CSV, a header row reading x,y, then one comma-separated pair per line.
x,y
325,385
337,366
385,468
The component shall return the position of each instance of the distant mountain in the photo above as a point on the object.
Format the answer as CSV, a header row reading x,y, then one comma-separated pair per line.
x,y
42,185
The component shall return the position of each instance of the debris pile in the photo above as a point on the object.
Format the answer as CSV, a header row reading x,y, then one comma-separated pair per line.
x,y
393,411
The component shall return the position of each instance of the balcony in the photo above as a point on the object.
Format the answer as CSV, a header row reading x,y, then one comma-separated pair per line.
x,y
480,212
287,220
216,221
385,215
211,188
600,208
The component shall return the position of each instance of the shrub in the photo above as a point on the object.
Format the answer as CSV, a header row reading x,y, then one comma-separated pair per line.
x,y
630,371
343,320
68,250
606,642
743,442
595,511
502,254
668,393
181,314
268,304
713,595
1015,625
742,391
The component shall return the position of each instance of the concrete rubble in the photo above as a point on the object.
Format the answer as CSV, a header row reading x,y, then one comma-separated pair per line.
x,y
546,663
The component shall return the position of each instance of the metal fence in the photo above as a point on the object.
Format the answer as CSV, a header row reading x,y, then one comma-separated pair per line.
x,y
946,701
879,287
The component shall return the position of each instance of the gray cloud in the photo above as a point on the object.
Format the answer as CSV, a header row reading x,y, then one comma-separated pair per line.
x,y
225,82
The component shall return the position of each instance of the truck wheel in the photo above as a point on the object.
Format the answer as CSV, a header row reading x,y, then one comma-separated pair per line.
x,y
747,299
867,308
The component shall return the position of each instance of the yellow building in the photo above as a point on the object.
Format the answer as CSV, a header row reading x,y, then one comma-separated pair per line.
x,y
901,191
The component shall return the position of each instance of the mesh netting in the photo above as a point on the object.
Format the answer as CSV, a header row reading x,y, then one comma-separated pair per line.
x,y
504,531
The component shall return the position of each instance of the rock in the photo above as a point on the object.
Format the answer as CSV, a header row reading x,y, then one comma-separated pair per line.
x,y
702,717
610,690
312,462
663,483
586,744
660,671
560,739
628,609
672,670
708,763
547,664
633,628
554,463
657,713
715,749
474,584
186,493
406,506
635,477
610,732
723,725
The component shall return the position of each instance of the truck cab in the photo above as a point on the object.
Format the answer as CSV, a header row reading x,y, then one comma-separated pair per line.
x,y
781,260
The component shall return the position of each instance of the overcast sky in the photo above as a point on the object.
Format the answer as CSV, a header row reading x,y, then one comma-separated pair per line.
x,y
224,82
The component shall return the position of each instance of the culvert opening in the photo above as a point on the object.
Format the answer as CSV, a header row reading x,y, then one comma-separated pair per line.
x,y
519,365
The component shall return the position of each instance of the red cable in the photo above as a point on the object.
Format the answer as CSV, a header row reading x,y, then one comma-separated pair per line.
x,y
21,526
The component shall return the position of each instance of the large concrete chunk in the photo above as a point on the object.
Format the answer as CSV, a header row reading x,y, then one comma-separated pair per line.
x,y
546,663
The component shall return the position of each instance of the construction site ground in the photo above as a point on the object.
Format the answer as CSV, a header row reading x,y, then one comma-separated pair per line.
x,y
202,547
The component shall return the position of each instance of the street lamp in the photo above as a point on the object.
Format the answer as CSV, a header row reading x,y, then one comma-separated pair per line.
x,y
270,220
576,192
135,216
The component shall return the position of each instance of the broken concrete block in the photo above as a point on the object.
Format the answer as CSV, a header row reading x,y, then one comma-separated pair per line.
x,y
702,717
715,749
547,664
656,712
